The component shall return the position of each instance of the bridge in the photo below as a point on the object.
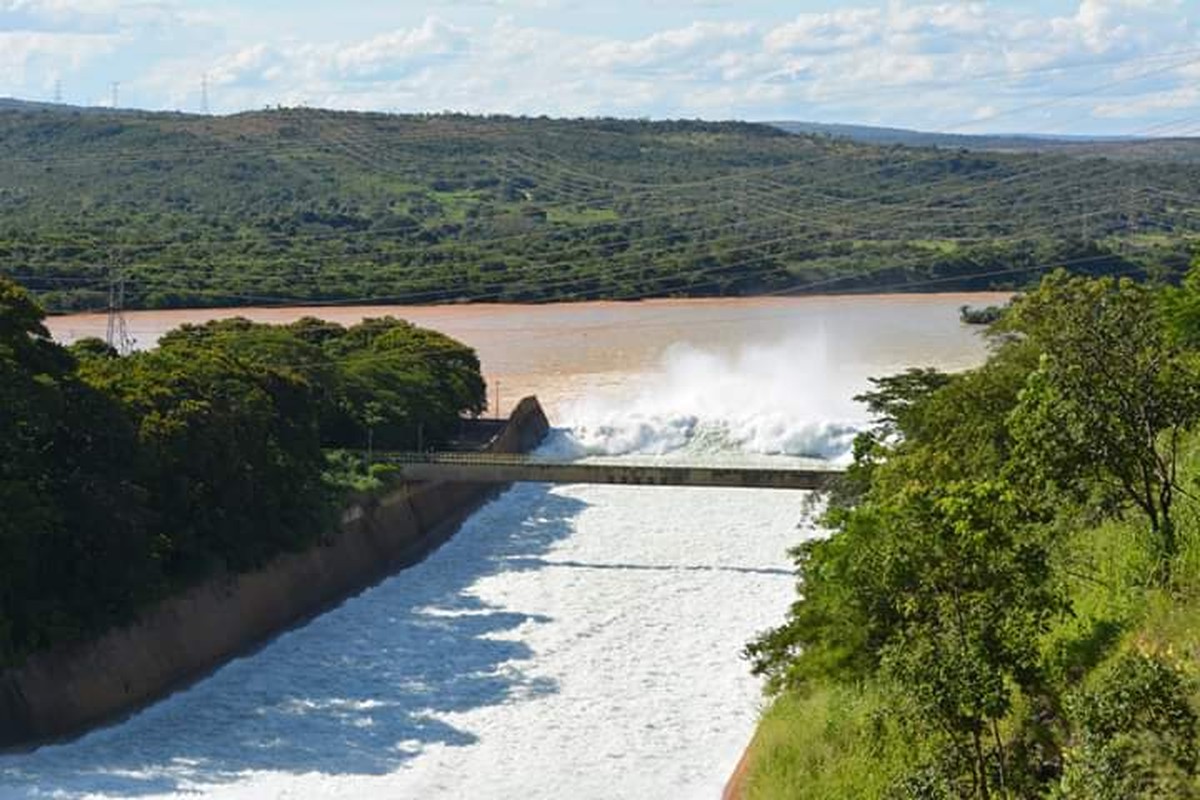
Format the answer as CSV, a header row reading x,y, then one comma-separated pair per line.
x,y
507,468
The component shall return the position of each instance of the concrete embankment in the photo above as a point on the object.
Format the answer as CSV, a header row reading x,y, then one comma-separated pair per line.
x,y
735,788
68,690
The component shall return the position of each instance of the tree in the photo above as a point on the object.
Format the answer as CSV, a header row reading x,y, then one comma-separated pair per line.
x,y
405,379
31,400
941,589
229,451
1135,733
894,400
1111,397
972,592
73,552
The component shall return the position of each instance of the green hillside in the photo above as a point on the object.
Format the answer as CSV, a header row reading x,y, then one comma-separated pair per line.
x,y
1175,148
315,206
1007,604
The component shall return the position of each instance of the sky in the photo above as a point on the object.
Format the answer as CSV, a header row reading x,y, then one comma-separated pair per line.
x,y
1054,66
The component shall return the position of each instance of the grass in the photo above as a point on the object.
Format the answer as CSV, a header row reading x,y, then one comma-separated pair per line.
x,y
834,742
581,216
937,246
1149,239
456,203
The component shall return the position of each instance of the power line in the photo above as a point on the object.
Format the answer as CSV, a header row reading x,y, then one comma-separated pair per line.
x,y
127,245
351,145
652,286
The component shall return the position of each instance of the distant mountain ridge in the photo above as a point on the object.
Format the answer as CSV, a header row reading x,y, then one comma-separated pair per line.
x,y
13,104
1184,148
16,104
864,134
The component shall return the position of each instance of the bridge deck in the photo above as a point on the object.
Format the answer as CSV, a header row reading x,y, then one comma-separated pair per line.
x,y
487,468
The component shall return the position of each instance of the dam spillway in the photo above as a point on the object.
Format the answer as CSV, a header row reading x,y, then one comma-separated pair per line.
x,y
570,639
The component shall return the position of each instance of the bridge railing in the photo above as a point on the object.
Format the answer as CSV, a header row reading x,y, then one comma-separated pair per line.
x,y
504,459
525,459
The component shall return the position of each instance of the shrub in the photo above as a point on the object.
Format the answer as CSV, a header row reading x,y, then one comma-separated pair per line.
x,y
1135,734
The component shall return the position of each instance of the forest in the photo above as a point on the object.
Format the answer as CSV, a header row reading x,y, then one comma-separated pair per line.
x,y
124,479
306,206
1007,602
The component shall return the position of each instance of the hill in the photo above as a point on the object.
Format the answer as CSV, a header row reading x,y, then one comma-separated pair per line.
x,y
302,205
15,104
871,134
1121,147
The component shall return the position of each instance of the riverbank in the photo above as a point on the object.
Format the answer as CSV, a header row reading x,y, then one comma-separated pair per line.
x,y
735,789
68,690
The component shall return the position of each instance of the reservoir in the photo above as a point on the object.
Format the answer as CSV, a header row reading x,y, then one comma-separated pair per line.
x,y
574,640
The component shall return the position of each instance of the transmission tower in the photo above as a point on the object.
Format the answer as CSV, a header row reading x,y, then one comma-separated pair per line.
x,y
204,94
117,337
116,89
58,91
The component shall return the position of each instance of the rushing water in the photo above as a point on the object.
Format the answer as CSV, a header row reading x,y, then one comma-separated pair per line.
x,y
574,641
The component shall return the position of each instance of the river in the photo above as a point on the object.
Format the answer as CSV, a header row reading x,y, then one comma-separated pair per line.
x,y
576,641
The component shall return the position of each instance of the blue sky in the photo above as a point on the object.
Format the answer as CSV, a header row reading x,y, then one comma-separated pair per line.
x,y
1056,66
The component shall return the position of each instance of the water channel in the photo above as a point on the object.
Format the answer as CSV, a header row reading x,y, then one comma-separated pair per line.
x,y
576,641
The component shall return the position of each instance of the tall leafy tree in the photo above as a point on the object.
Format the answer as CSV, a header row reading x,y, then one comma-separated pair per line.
x,y
73,552
1111,398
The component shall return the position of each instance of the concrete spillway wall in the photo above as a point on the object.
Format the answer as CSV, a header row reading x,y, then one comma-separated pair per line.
x,y
71,689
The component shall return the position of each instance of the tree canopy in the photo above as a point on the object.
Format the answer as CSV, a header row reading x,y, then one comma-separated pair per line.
x,y
123,479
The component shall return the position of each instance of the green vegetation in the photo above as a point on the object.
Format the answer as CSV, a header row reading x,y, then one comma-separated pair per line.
x,y
1007,603
125,479
320,207
980,316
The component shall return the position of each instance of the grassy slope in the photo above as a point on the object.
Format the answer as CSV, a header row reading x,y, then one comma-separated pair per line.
x,y
831,745
314,206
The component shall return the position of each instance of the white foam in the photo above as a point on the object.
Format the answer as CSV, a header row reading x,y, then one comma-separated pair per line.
x,y
553,647
711,403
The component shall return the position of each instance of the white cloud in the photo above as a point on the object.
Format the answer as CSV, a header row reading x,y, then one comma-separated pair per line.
x,y
258,64
23,53
697,41
57,16
939,64
399,51
1130,108
824,33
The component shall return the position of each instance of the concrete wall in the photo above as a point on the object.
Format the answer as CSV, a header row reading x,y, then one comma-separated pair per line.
x,y
66,691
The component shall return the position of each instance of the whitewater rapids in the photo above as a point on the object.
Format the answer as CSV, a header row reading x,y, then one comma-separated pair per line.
x,y
578,641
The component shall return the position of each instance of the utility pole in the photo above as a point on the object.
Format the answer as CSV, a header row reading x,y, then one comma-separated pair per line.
x,y
116,92
117,336
204,94
498,414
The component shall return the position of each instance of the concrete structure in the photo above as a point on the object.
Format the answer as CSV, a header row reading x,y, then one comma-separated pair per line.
x,y
67,690
454,468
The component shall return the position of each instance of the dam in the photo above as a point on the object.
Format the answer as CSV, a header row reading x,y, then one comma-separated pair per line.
x,y
570,639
